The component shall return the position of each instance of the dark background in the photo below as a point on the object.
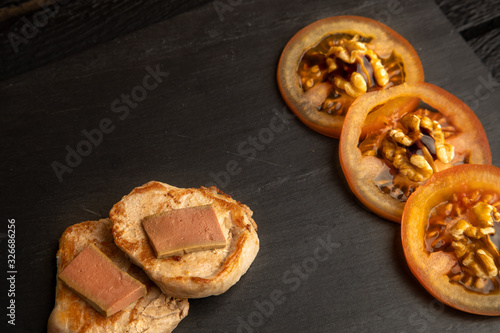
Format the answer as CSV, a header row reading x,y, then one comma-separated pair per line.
x,y
220,95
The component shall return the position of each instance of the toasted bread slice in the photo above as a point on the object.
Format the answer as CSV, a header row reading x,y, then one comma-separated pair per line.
x,y
196,274
155,312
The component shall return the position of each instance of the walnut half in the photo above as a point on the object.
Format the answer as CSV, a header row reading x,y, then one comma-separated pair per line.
x,y
352,51
472,244
411,151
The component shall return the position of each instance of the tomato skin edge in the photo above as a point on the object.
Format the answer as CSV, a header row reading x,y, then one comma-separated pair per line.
x,y
470,138
420,202
332,132
330,125
354,189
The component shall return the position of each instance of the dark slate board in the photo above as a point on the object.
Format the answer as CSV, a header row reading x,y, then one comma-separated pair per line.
x,y
219,96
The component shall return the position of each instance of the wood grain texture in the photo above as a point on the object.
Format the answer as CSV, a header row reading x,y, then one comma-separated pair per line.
x,y
487,47
215,111
478,22
36,35
11,9
80,24
466,14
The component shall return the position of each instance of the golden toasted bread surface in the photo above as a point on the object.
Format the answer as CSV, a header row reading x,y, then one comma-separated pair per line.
x,y
155,312
196,274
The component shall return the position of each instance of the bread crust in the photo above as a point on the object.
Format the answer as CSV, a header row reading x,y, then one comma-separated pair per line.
x,y
192,275
155,312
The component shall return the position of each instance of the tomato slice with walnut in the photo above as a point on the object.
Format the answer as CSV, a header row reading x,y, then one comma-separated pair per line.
x,y
451,235
403,148
331,62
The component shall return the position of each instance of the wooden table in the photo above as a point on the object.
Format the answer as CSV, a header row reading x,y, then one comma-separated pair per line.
x,y
215,92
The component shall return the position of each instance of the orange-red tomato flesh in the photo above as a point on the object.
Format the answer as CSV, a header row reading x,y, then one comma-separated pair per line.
x,y
438,237
314,69
450,232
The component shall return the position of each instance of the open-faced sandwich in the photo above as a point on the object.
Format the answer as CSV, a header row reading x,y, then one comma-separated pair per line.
x,y
100,290
191,242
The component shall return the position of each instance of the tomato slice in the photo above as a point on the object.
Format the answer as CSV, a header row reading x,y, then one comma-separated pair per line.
x,y
451,235
331,62
404,147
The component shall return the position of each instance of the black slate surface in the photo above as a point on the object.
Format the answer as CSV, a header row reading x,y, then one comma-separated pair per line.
x,y
217,108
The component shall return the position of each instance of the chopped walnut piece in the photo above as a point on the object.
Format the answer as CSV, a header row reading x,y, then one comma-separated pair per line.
x,y
472,244
478,270
379,71
358,81
354,59
355,87
444,151
400,137
460,249
353,52
411,122
423,167
346,86
414,148
483,212
465,226
488,262
332,65
458,229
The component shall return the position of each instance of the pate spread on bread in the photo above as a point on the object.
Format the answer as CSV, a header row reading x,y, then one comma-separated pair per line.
x,y
155,312
196,274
